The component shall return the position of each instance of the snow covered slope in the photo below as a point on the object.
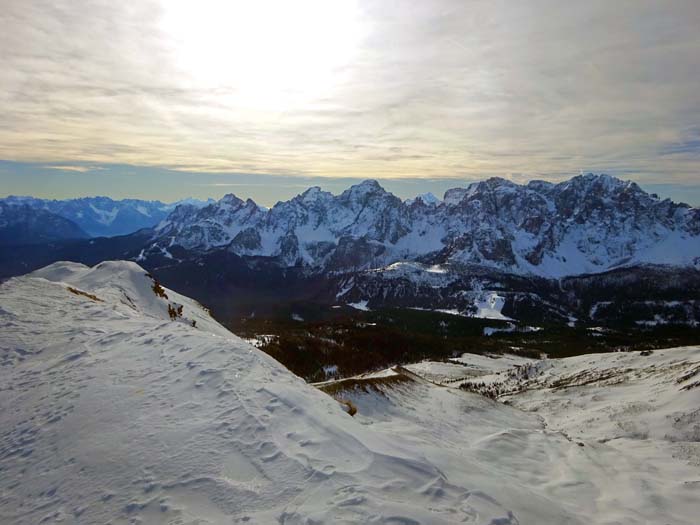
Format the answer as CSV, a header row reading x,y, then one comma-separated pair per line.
x,y
112,412
606,438
588,224
124,402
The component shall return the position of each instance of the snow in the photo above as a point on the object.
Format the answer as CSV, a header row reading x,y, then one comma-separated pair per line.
x,y
105,217
189,201
260,340
538,229
488,363
112,412
427,198
487,306
347,286
440,372
606,438
435,276
594,308
360,305
510,327
330,370
449,311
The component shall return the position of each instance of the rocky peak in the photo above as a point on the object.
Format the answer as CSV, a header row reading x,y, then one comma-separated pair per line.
x,y
587,224
498,182
455,195
424,199
312,195
229,200
367,187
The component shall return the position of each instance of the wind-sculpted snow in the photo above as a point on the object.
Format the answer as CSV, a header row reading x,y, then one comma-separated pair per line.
x,y
606,438
588,224
111,411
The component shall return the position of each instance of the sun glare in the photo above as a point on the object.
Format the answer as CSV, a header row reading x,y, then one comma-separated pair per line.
x,y
266,53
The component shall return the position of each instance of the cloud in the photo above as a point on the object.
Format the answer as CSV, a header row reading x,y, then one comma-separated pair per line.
x,y
434,89
79,169
687,145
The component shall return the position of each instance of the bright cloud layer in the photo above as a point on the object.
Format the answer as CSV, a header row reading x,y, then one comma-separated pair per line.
x,y
356,88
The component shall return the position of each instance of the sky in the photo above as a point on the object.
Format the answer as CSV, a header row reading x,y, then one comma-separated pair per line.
x,y
174,98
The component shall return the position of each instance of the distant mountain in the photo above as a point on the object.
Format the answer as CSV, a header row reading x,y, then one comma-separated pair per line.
x,y
593,250
102,216
23,224
425,198
588,224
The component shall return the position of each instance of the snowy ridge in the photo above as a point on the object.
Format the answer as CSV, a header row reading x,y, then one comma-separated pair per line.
x,y
111,411
588,224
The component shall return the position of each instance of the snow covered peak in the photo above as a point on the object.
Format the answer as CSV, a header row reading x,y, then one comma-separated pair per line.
x,y
497,182
313,194
589,224
192,202
542,186
369,186
597,184
425,198
230,199
127,286
599,179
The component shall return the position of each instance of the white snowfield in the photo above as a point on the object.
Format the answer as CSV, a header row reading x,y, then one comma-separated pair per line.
x,y
112,412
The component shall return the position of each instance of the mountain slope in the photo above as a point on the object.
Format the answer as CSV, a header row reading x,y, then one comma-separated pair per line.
x,y
26,225
114,410
600,445
589,224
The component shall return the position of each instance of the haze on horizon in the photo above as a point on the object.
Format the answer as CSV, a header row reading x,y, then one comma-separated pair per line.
x,y
166,99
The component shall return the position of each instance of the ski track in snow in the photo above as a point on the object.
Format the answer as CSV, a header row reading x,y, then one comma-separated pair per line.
x,y
112,412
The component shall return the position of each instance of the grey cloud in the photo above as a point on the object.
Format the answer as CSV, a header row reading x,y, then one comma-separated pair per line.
x,y
439,88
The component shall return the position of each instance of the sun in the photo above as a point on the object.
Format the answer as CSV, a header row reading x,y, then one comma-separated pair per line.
x,y
266,53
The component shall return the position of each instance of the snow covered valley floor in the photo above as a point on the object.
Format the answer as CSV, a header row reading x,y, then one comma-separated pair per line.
x,y
124,402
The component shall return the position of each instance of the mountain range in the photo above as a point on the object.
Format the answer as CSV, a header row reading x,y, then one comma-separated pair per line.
x,y
24,224
588,224
99,216
593,249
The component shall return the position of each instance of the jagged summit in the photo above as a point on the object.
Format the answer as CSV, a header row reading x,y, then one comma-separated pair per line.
x,y
368,185
588,224
427,199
